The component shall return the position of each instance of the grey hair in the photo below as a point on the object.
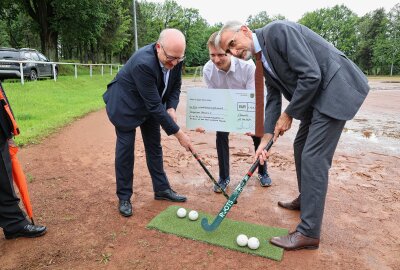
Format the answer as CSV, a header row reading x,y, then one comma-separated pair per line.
x,y
232,26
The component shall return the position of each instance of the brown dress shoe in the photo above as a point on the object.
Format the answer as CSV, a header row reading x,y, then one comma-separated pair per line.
x,y
292,205
294,241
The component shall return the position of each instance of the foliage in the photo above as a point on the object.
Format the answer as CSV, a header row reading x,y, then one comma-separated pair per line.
x,y
373,31
102,31
336,24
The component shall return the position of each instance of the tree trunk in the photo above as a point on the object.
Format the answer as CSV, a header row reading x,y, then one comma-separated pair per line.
x,y
41,11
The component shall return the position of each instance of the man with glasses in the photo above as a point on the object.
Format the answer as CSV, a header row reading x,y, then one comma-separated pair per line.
x,y
145,93
224,71
324,89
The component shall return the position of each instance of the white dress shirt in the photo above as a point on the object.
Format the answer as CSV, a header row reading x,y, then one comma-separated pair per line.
x,y
239,76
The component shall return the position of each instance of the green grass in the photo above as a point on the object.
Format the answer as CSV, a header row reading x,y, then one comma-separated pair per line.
x,y
225,235
44,106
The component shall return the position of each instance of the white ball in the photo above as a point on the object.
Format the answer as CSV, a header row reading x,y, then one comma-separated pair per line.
x,y
181,212
193,215
241,240
253,243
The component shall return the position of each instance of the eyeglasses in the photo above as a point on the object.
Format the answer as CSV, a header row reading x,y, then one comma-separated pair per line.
x,y
232,43
172,58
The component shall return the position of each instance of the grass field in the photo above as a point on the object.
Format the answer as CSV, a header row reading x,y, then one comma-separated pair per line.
x,y
41,107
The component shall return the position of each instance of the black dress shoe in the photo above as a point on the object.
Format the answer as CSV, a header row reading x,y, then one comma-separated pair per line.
x,y
169,195
28,230
125,208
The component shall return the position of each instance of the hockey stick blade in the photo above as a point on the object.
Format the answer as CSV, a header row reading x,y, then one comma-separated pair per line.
x,y
228,205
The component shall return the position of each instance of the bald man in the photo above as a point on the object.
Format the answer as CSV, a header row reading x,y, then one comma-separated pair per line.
x,y
145,93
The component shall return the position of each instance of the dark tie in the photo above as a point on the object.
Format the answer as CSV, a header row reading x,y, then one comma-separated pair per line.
x,y
259,84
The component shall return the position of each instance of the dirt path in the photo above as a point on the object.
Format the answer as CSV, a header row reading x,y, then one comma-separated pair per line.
x,y
73,192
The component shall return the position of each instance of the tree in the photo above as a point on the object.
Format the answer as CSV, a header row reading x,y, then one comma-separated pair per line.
x,y
16,28
42,12
193,26
82,23
372,32
337,25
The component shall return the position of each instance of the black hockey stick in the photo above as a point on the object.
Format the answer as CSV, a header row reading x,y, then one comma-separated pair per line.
x,y
209,174
228,205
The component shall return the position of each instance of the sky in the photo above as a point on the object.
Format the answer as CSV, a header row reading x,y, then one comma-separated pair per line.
x,y
215,11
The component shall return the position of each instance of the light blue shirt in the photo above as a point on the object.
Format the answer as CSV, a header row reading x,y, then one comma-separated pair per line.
x,y
257,49
166,78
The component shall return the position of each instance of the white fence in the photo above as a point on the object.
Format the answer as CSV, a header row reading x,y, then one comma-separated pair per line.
x,y
53,64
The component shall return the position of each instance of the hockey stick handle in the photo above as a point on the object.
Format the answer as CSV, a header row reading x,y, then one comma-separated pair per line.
x,y
257,162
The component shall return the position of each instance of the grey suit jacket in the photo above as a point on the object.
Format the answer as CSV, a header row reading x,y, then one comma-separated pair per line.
x,y
310,73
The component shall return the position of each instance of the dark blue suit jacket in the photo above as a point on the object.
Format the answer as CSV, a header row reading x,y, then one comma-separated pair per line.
x,y
5,126
134,95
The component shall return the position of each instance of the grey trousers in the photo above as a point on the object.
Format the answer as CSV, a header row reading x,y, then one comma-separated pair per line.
x,y
314,147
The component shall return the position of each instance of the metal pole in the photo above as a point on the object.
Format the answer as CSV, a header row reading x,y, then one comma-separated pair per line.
x,y
54,72
21,70
394,51
76,72
134,25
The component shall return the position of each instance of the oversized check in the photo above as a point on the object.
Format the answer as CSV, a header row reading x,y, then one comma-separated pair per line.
x,y
229,110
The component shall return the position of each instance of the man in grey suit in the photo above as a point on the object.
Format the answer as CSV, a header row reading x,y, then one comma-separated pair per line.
x,y
324,89
145,93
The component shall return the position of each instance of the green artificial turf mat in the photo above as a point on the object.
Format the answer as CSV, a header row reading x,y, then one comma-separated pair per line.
x,y
225,235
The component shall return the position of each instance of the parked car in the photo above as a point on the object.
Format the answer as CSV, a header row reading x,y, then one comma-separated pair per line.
x,y
31,71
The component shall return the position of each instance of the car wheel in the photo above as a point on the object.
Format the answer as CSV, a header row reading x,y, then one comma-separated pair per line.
x,y
32,75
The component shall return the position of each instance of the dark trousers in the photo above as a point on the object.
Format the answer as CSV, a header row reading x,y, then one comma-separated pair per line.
x,y
125,157
314,147
12,219
222,142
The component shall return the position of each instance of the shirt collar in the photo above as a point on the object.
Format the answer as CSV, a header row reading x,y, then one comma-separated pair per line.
x,y
232,67
257,47
164,69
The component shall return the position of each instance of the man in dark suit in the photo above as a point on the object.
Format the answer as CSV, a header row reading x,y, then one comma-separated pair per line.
x,y
324,89
12,219
145,93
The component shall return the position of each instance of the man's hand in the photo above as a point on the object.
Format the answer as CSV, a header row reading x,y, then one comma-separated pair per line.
x,y
200,130
282,125
11,143
261,153
184,140
249,134
172,113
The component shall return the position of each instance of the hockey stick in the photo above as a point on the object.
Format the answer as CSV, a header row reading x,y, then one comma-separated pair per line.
x,y
228,205
209,174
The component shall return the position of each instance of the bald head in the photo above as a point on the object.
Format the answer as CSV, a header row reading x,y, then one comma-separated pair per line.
x,y
171,45
171,35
